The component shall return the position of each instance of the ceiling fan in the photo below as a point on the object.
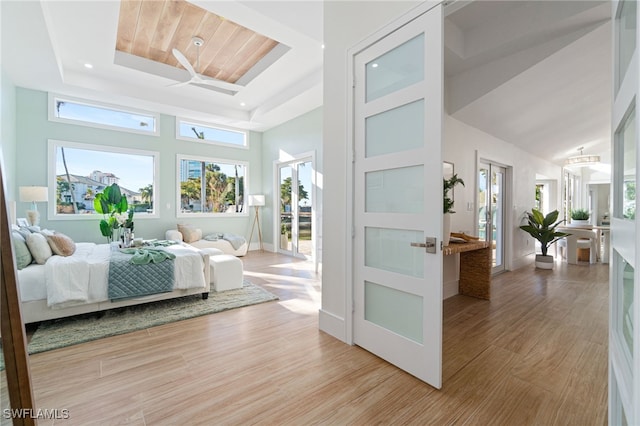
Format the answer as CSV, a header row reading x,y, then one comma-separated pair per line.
x,y
197,78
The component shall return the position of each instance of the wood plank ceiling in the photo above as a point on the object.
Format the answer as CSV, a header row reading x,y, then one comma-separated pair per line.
x,y
152,28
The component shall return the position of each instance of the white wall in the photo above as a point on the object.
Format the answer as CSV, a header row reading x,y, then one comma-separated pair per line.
x,y
463,145
345,24
300,135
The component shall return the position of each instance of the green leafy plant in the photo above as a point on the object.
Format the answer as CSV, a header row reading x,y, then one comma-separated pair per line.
x,y
543,228
579,214
448,185
113,205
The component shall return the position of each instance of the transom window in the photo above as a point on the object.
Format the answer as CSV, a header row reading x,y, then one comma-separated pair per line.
x,y
96,114
221,192
80,171
203,132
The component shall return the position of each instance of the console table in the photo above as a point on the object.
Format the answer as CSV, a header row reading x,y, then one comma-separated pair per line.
x,y
475,267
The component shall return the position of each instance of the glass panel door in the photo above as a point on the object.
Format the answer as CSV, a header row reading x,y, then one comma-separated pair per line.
x,y
296,224
624,362
286,212
304,242
491,205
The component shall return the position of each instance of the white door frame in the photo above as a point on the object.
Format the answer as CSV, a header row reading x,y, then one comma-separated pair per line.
x,y
624,367
508,202
298,158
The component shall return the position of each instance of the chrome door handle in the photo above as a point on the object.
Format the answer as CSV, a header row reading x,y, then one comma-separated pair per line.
x,y
429,244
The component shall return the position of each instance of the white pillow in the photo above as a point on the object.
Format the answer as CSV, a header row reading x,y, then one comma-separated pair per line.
x,y
39,248
190,233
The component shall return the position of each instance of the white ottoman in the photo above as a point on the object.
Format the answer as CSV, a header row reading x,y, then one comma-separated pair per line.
x,y
212,251
226,272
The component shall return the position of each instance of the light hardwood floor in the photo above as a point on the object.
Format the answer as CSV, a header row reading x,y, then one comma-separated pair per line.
x,y
535,354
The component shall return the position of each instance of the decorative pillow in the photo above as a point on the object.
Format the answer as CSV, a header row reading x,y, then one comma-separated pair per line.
x,y
61,244
24,231
23,255
190,233
47,232
39,248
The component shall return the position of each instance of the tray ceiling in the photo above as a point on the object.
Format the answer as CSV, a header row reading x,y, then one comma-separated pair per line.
x,y
150,29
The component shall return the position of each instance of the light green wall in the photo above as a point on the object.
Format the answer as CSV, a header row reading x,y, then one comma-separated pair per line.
x,y
8,137
33,130
300,135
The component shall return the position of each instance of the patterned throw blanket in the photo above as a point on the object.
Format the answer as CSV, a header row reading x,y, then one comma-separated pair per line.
x,y
129,278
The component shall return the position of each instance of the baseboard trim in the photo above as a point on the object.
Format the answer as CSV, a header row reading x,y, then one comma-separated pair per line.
x,y
521,262
332,324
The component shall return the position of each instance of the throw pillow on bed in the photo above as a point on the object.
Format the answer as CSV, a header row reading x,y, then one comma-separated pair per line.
x,y
190,233
23,255
24,231
61,244
39,247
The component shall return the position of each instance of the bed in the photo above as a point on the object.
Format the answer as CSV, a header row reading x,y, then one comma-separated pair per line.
x,y
77,284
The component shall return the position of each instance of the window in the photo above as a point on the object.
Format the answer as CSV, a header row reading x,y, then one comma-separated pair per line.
x,y
625,151
80,171
202,132
221,192
625,26
94,114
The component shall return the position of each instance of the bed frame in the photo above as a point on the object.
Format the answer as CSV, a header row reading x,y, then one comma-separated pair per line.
x,y
37,310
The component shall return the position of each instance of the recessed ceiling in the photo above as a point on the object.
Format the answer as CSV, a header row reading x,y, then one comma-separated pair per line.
x,y
216,47
46,44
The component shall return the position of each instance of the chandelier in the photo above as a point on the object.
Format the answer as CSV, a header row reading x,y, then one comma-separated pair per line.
x,y
582,159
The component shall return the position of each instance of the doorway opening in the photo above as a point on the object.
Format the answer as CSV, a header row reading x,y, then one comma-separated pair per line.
x,y
492,195
295,223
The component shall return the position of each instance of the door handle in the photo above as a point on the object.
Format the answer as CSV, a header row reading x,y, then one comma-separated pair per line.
x,y
429,244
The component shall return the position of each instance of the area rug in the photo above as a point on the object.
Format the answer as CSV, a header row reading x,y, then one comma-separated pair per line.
x,y
63,332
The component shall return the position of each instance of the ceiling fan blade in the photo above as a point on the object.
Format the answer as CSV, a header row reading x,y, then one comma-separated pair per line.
x,y
219,83
184,62
180,84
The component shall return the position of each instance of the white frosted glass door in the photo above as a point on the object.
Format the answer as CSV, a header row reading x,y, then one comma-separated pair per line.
x,y
398,198
624,351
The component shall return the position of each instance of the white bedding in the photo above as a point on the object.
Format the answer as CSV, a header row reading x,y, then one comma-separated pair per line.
x,y
83,277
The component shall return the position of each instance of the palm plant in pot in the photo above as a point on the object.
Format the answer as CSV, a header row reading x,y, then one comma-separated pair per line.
x,y
543,229
447,204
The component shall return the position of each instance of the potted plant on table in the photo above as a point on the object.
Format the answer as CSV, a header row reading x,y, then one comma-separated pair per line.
x,y
543,229
113,205
448,185
579,217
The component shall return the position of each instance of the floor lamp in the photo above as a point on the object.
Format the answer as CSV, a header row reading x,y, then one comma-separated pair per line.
x,y
34,194
256,201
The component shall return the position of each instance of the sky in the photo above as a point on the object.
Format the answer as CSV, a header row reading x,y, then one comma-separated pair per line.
x,y
134,171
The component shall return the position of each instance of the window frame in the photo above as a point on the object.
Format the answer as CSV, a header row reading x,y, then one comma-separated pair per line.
x,y
54,144
245,206
211,125
54,98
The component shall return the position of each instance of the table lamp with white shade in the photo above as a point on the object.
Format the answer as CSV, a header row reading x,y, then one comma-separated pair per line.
x,y
34,194
256,201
